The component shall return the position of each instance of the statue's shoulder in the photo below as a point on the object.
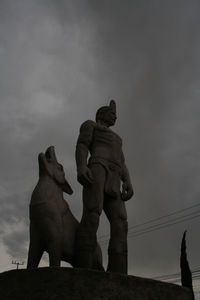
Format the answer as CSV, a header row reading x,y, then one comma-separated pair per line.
x,y
88,125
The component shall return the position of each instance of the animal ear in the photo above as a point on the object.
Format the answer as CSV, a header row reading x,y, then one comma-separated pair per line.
x,y
44,165
67,188
113,105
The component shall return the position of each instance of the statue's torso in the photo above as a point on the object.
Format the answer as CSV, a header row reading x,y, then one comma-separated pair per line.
x,y
106,144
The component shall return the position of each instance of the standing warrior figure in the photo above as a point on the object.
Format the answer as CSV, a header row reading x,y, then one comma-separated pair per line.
x,y
101,178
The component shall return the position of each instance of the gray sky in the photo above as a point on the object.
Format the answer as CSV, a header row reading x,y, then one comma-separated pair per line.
x,y
62,60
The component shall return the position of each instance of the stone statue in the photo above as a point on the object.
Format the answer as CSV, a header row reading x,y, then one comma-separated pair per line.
x,y
101,178
52,225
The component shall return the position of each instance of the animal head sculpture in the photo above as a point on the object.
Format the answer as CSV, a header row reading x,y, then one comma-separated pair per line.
x,y
49,166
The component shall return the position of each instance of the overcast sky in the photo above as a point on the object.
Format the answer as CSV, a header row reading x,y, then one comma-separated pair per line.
x,y
62,60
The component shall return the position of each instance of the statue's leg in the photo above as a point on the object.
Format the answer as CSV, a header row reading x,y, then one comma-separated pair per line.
x,y
53,240
115,211
54,250
35,248
86,241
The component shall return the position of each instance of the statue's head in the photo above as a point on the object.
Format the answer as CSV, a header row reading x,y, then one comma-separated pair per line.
x,y
107,114
49,166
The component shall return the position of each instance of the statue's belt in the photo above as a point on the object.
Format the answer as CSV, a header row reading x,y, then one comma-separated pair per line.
x,y
111,164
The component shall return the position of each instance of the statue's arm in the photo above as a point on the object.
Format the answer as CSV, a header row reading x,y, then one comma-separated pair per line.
x,y
127,189
82,149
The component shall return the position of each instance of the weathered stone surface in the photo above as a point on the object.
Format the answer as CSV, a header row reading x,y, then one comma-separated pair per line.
x,y
101,169
75,284
52,224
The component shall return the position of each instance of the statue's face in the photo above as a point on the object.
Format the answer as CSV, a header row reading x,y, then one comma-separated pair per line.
x,y
109,117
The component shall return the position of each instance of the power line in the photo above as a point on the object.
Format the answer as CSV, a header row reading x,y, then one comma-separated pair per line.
x,y
157,219
177,276
168,221
165,216
175,280
162,225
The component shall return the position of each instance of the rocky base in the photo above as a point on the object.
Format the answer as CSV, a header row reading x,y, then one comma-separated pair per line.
x,y
76,284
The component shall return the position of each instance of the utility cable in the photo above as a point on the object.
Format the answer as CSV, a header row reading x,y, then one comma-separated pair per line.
x,y
157,219
162,225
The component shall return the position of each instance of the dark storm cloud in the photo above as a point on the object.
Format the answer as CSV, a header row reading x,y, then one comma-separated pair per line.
x,y
16,244
60,61
14,224
43,94
147,56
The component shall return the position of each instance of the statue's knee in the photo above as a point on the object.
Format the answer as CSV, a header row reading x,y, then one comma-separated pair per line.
x,y
119,227
93,218
90,221
124,225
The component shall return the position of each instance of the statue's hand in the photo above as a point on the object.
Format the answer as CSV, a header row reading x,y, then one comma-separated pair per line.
x,y
85,177
127,191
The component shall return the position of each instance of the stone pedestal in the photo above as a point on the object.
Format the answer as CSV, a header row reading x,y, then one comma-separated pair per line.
x,y
80,284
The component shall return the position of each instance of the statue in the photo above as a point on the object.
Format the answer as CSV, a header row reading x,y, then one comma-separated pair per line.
x,y
101,178
52,224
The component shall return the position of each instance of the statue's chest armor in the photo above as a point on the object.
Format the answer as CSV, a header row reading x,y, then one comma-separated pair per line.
x,y
104,138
